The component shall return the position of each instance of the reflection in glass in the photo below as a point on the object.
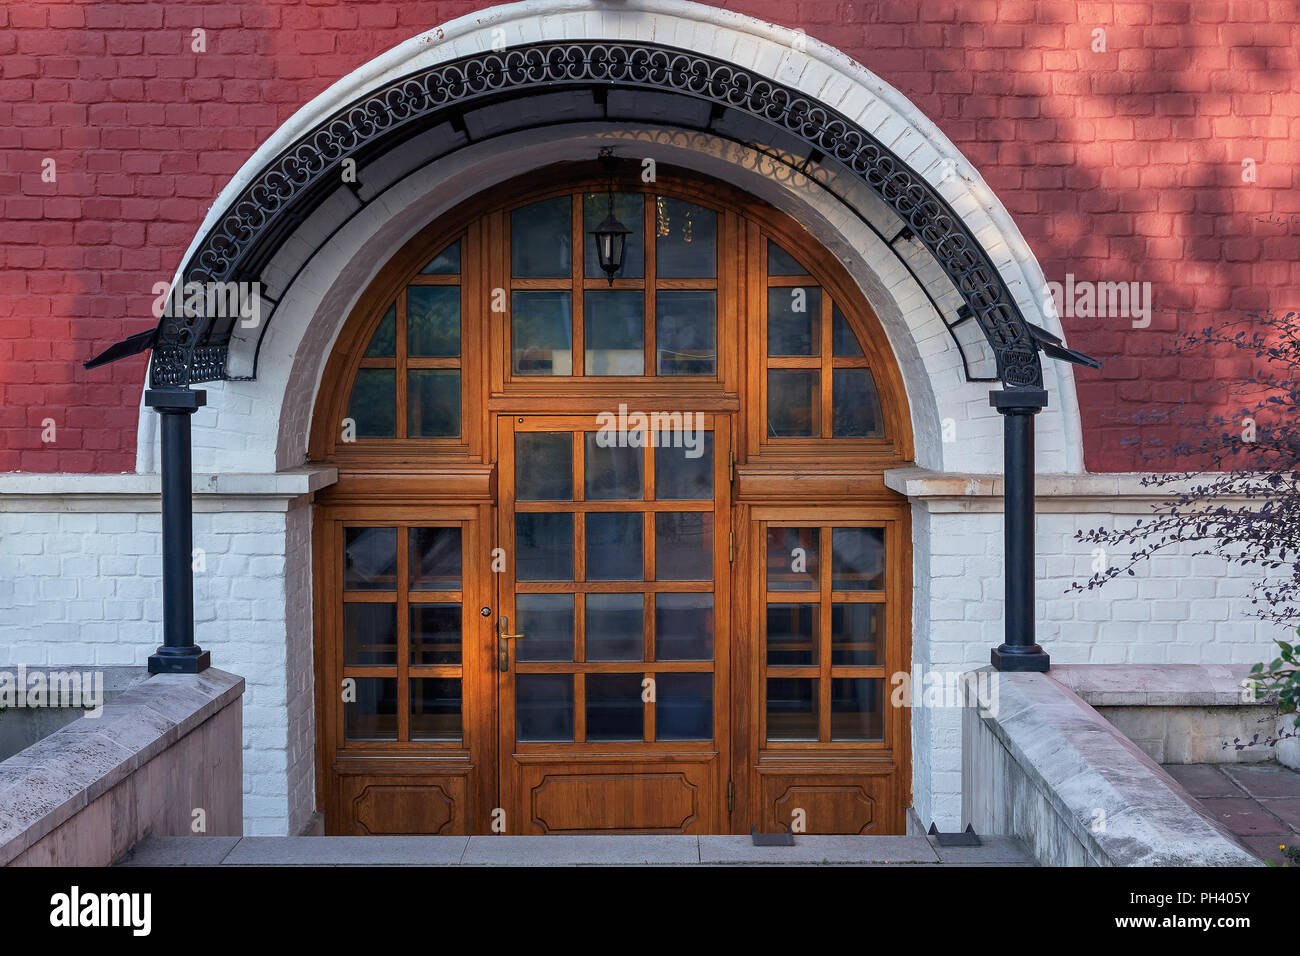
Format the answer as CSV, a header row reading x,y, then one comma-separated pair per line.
x,y
856,633
546,623
684,707
683,627
793,557
433,403
544,707
858,559
791,634
543,466
857,711
614,324
856,406
444,263
845,343
685,472
629,210
433,321
383,344
435,708
781,263
686,332
613,473
435,559
792,708
541,332
614,550
794,320
373,715
614,707
684,546
373,404
793,403
435,634
615,627
541,239
369,634
370,559
544,547
686,240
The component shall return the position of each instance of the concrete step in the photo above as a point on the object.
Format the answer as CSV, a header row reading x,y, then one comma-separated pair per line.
x,y
598,850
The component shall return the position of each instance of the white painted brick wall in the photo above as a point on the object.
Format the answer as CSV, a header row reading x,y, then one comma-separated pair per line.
x,y
85,589
1176,609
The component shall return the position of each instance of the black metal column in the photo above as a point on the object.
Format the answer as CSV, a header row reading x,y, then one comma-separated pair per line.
x,y
178,653
1019,651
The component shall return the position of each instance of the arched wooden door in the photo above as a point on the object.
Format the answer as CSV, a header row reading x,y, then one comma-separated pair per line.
x,y
611,555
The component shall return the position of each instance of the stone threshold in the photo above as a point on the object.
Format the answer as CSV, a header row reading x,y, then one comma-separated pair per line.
x,y
597,850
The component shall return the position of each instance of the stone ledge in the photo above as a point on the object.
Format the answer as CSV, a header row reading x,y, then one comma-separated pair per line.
x,y
48,783
281,484
1154,685
1078,764
925,483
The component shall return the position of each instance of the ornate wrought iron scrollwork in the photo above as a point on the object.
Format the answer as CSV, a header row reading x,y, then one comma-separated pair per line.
x,y
184,354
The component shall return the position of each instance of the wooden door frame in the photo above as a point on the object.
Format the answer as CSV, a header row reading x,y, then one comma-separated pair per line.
x,y
436,475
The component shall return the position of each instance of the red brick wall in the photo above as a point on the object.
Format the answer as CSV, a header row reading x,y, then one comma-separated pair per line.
x,y
1118,166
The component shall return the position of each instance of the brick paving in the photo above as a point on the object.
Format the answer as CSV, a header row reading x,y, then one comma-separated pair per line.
x,y
1258,803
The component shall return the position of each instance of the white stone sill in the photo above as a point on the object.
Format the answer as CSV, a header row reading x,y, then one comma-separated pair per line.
x,y
132,493
282,484
926,484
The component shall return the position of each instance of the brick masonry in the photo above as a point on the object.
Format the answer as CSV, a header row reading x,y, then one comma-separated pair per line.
x,y
1117,166
1122,165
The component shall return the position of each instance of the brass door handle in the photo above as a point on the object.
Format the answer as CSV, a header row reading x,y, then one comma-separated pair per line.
x,y
503,643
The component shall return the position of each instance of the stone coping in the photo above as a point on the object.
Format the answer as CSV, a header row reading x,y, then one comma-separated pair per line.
x,y
927,483
289,483
568,850
1082,765
1155,685
46,784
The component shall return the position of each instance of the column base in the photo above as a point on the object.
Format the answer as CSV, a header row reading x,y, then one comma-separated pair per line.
x,y
179,660
1032,658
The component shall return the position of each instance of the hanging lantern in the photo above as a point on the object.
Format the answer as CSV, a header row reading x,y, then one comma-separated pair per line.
x,y
611,235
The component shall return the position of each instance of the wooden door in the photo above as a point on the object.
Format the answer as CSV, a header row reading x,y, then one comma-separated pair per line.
x,y
659,685
614,624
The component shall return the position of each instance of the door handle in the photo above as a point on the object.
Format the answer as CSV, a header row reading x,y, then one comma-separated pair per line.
x,y
503,643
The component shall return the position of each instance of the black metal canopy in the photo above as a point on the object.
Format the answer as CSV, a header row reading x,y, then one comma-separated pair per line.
x,y
676,87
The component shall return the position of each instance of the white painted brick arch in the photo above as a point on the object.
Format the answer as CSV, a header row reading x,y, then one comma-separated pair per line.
x,y
261,426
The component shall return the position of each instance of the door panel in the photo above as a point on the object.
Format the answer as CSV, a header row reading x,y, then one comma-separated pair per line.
x,y
825,621
406,699
614,624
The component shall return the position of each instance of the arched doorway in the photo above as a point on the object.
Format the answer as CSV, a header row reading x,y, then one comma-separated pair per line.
x,y
611,555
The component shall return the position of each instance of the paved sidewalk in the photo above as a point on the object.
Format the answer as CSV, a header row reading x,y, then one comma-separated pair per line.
x,y
1259,803
567,851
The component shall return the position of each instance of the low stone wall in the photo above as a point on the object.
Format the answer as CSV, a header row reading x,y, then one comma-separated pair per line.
x,y
164,749
1177,713
1046,767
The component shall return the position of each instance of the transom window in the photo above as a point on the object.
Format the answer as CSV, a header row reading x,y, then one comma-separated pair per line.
x,y
409,383
819,383
658,317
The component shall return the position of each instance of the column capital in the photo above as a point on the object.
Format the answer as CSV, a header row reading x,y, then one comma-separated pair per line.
x,y
175,399
1018,401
